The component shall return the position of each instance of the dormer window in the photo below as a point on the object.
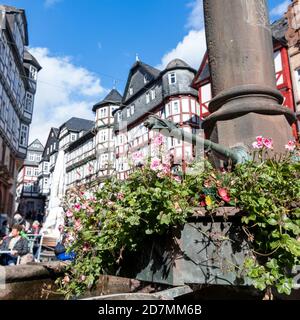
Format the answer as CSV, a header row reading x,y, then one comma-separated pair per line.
x,y
73,136
146,78
172,78
131,90
132,109
33,73
153,95
147,97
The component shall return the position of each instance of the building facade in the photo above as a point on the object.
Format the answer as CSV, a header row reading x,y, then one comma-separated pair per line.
x,y
76,143
167,94
284,76
104,140
292,36
49,152
18,76
29,200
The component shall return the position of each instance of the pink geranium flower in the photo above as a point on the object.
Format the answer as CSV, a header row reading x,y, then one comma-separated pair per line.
x,y
77,206
223,193
69,214
291,145
258,144
262,142
120,196
268,143
155,164
78,225
158,140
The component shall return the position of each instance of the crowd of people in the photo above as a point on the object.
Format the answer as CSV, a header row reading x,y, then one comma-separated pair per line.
x,y
14,242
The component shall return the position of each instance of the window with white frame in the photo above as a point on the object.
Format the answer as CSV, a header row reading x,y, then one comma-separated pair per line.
x,y
103,136
132,109
175,107
128,112
131,90
23,135
297,76
119,115
28,171
46,182
153,94
38,157
172,78
46,167
73,137
32,73
31,156
147,97
103,160
28,102
36,172
103,112
48,150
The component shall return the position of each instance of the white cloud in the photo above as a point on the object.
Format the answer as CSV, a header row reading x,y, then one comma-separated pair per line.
x,y
50,3
192,47
64,90
196,17
279,10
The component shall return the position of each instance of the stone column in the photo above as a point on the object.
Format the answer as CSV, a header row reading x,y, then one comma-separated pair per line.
x,y
246,102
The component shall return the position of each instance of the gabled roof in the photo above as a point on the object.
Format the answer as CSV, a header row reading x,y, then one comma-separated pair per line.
x,y
114,97
279,29
11,11
151,71
78,124
36,145
29,58
50,140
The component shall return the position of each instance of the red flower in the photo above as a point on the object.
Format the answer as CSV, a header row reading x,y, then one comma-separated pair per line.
x,y
223,193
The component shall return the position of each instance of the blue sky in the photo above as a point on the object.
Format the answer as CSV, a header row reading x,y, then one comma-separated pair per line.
x,y
85,46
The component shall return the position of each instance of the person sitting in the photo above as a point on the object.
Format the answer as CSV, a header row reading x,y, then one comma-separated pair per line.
x,y
17,245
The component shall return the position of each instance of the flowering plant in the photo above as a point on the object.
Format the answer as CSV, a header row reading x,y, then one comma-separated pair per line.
x,y
102,226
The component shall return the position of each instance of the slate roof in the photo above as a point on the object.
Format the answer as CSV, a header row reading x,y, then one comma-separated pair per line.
x,y
78,124
114,97
279,29
176,63
28,57
36,141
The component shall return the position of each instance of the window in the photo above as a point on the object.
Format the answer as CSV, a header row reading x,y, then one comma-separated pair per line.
x,y
23,135
73,137
28,171
46,181
28,102
131,90
46,167
172,78
175,107
128,112
153,94
119,116
147,97
31,156
132,109
103,136
47,150
38,157
36,171
54,145
33,73
297,72
103,112
103,160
